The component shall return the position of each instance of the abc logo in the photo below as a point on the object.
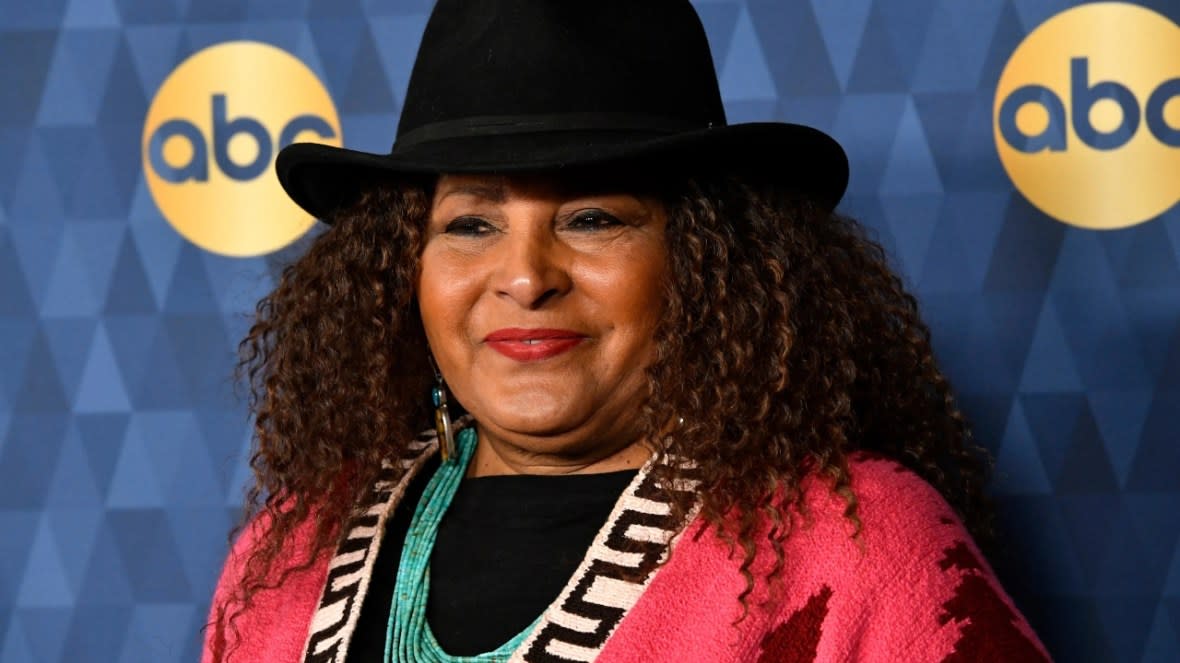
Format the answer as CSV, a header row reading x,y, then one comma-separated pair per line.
x,y
210,138
1087,115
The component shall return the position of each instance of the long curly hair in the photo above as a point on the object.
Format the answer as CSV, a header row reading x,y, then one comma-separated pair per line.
x,y
842,363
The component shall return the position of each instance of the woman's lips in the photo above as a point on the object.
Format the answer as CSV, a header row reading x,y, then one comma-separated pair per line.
x,y
532,344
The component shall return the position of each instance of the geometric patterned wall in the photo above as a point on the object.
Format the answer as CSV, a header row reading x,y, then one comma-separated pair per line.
x,y
122,442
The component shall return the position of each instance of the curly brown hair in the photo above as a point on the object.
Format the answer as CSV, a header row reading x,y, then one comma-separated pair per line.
x,y
842,362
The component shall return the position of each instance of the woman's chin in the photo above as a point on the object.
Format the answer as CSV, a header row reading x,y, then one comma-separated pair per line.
x,y
533,418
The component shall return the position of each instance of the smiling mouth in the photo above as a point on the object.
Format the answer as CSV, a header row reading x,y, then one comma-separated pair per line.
x,y
527,345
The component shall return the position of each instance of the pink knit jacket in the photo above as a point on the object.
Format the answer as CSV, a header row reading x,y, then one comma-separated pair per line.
x,y
910,586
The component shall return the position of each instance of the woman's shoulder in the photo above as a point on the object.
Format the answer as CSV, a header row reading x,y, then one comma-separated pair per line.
x,y
891,533
907,577
898,578
295,549
888,520
893,504
887,516
272,624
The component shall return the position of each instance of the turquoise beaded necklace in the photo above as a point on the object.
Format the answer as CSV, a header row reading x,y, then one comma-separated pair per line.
x,y
408,638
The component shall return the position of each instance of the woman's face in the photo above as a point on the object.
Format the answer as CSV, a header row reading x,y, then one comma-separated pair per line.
x,y
540,299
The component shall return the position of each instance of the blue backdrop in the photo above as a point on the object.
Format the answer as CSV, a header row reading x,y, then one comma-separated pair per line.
x,y
122,444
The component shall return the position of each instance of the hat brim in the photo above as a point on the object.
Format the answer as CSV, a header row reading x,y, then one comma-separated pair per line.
x,y
322,179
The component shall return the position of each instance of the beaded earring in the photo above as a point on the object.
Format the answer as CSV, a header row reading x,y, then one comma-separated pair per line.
x,y
442,418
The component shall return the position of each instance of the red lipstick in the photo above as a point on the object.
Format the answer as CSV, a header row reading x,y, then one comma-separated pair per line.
x,y
532,344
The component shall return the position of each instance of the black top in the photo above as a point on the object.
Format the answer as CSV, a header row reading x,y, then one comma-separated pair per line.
x,y
505,549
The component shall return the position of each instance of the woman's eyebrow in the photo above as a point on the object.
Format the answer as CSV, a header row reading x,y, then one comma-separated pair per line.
x,y
496,193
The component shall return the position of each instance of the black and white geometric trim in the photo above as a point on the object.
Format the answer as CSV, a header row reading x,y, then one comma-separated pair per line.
x,y
614,574
352,565
616,570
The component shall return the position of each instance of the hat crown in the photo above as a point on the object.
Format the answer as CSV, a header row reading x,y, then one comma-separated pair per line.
x,y
615,64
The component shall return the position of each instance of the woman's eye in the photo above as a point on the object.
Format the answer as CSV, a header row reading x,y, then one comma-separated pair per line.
x,y
593,220
468,225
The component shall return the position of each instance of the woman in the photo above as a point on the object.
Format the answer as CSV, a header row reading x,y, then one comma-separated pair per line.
x,y
684,412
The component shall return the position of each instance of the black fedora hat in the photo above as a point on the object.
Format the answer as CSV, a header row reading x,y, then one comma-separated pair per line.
x,y
503,86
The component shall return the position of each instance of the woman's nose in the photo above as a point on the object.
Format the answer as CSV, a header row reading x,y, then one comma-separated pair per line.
x,y
532,268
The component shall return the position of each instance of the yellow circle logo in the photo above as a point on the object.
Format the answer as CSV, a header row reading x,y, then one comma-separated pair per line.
x,y
1087,115
210,139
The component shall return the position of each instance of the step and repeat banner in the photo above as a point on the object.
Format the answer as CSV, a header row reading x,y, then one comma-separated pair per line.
x,y
1019,159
